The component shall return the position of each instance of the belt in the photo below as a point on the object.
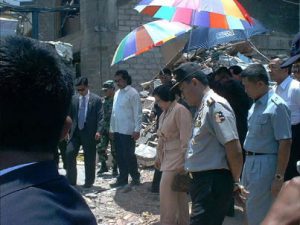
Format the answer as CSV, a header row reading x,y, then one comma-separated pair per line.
x,y
248,153
205,172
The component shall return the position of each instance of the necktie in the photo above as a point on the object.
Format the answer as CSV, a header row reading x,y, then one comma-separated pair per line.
x,y
81,114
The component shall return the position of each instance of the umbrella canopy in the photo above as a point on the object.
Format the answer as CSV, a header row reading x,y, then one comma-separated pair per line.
x,y
203,37
146,37
225,14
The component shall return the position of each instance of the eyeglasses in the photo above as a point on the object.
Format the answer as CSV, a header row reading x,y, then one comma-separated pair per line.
x,y
296,68
117,81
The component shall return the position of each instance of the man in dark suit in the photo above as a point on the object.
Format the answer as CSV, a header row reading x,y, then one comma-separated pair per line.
x,y
35,94
86,114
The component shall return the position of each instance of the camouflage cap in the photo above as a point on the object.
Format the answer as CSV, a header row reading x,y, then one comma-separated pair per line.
x,y
108,84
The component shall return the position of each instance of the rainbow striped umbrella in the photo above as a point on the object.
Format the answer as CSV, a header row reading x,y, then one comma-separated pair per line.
x,y
225,14
146,37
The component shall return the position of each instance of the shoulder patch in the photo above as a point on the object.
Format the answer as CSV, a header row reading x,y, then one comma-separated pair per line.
x,y
276,100
219,117
210,101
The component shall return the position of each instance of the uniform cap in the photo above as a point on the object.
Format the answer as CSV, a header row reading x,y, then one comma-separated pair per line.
x,y
295,52
186,70
107,85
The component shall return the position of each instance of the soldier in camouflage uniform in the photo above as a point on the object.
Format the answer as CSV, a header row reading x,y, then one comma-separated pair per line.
x,y
109,90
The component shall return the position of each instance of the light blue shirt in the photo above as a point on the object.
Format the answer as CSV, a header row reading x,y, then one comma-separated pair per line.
x,y
269,120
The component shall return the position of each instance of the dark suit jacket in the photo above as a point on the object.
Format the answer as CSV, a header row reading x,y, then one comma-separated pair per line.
x,y
38,195
94,115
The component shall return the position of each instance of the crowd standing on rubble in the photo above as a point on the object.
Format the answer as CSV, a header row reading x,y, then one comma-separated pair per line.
x,y
204,143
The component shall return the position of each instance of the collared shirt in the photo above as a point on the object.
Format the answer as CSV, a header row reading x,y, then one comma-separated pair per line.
x,y
126,116
269,120
289,90
87,97
214,126
10,169
173,134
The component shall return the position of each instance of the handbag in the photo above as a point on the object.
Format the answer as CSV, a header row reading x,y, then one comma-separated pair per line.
x,y
181,182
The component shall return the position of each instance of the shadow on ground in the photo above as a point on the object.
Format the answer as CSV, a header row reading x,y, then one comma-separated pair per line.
x,y
138,199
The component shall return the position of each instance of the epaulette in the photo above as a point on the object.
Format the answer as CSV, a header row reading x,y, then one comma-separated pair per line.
x,y
210,101
276,100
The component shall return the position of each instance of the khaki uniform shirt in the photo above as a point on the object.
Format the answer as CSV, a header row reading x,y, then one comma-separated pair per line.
x,y
214,125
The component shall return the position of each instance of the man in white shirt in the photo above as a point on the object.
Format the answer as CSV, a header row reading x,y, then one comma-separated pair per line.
x,y
125,125
289,89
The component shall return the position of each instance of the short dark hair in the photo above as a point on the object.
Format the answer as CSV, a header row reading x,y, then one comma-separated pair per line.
x,y
236,69
165,93
81,81
255,73
223,72
35,94
124,74
165,71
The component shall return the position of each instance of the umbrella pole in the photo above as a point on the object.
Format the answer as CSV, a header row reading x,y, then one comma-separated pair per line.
x,y
255,49
189,43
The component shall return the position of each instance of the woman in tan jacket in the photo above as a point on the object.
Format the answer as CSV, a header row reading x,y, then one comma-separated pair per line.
x,y
175,124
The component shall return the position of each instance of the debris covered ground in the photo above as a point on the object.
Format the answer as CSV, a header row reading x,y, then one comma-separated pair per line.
x,y
130,205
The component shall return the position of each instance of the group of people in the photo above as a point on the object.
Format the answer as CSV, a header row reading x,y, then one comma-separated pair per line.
x,y
96,124
38,109
208,147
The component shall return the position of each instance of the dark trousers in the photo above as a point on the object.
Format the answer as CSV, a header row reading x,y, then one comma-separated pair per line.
x,y
291,170
211,192
126,158
89,148
156,180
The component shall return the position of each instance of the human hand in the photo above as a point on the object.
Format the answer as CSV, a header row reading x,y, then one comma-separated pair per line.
x,y
135,135
240,194
97,136
157,164
286,207
180,170
67,137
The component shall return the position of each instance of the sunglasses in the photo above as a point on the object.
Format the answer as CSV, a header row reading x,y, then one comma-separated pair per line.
x,y
81,89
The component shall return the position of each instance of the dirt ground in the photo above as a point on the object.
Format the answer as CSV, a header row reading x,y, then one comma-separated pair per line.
x,y
129,205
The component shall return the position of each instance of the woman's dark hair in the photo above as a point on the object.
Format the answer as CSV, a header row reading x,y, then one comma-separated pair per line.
x,y
165,93
124,74
236,69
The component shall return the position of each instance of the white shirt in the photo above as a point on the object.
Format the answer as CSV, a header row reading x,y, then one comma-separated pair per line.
x,y
87,97
289,90
126,116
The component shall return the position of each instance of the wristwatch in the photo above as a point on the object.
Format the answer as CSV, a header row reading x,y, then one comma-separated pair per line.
x,y
278,176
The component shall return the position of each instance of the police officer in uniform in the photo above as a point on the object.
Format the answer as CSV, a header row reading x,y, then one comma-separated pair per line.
x,y
214,157
267,143
109,91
